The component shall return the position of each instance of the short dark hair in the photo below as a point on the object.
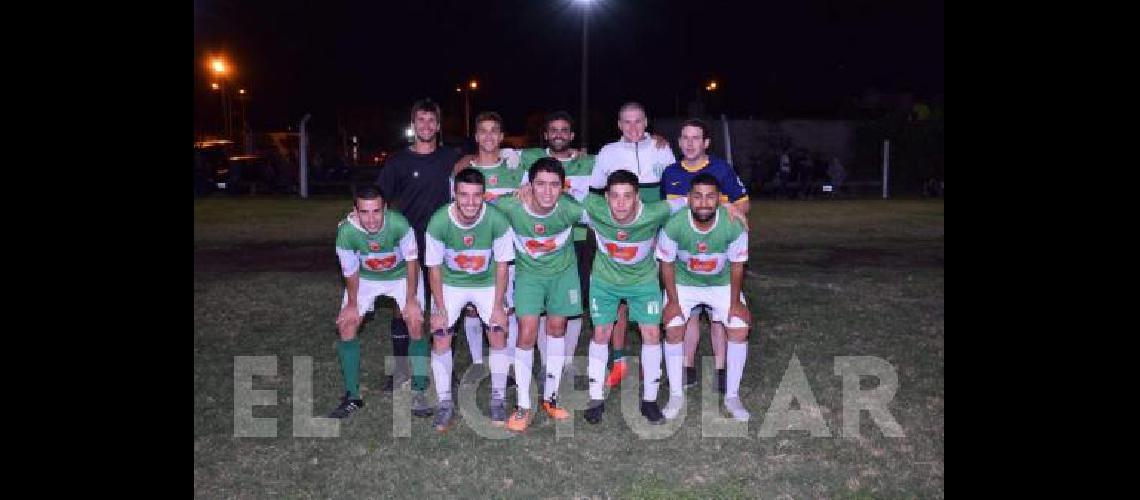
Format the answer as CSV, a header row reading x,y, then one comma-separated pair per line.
x,y
706,132
632,105
470,176
426,105
367,192
621,177
557,115
489,116
704,179
547,164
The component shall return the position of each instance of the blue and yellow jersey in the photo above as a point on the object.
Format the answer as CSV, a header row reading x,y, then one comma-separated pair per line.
x,y
676,179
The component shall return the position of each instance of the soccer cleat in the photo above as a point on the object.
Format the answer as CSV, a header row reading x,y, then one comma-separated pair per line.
x,y
346,407
616,374
498,413
736,408
444,416
520,419
690,376
721,381
554,411
420,406
594,411
674,407
652,413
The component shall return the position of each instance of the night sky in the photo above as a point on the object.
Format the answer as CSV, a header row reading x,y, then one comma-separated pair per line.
x,y
370,60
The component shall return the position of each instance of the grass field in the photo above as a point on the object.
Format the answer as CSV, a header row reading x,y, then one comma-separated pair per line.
x,y
826,279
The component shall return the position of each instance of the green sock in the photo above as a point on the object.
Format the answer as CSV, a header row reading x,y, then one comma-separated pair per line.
x,y
349,353
617,354
418,352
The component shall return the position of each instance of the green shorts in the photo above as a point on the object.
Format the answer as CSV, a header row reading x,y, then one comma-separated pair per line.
x,y
644,301
558,295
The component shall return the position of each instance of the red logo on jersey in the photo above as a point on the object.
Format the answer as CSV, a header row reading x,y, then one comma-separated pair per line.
x,y
541,246
621,252
622,235
470,262
539,229
705,266
566,184
374,246
468,239
493,180
381,264
489,196
702,247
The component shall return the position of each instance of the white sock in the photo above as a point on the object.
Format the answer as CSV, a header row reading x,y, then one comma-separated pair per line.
x,y
541,340
473,327
651,370
441,368
599,354
524,358
500,366
554,360
737,356
512,335
674,367
573,332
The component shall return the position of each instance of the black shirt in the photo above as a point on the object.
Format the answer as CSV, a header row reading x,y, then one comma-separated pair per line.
x,y
417,184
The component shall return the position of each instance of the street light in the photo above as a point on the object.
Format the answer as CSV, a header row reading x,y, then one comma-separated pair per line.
x,y
585,71
471,87
711,87
221,69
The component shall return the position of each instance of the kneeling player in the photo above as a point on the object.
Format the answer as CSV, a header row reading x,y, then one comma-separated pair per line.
x,y
463,239
373,245
712,250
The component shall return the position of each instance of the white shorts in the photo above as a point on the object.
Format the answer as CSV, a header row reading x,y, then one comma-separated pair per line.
x,y
509,298
370,290
456,298
716,298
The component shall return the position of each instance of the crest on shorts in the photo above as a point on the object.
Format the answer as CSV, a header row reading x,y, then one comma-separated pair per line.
x,y
539,229
622,235
702,247
468,239
493,180
374,246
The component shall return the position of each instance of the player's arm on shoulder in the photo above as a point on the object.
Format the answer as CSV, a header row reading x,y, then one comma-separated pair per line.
x,y
461,164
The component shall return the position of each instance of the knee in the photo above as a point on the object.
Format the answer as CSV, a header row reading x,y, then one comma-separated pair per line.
x,y
674,335
347,330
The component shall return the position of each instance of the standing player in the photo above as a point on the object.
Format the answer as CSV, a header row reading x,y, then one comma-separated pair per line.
x,y
711,250
547,281
414,181
637,152
502,178
374,246
467,247
558,133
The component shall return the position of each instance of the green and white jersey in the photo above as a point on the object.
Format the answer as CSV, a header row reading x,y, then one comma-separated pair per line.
x,y
500,179
466,253
541,241
702,256
380,256
578,170
625,251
